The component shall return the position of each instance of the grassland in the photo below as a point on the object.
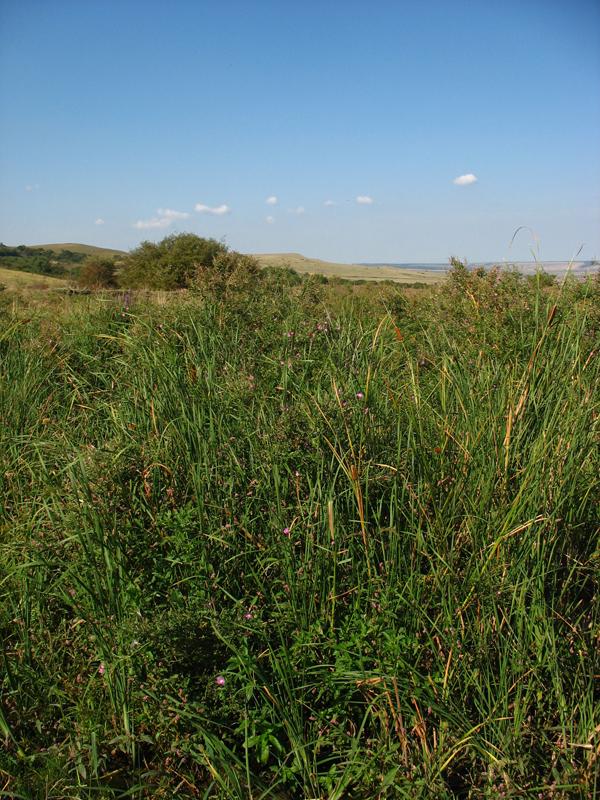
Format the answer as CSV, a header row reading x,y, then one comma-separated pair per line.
x,y
297,543
354,272
14,279
86,249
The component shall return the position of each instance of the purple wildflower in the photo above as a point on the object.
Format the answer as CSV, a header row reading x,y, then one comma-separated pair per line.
x,y
220,680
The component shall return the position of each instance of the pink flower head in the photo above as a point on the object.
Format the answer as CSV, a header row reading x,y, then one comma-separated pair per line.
x,y
286,531
360,395
247,615
220,680
101,669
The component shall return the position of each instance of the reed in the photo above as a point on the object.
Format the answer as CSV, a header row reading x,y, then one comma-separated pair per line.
x,y
302,545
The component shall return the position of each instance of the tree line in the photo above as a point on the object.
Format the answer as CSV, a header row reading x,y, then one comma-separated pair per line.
x,y
39,261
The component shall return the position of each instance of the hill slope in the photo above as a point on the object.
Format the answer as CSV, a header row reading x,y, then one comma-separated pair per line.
x,y
355,272
74,247
15,279
295,261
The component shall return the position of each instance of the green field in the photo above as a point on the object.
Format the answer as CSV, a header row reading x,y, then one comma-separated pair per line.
x,y
285,541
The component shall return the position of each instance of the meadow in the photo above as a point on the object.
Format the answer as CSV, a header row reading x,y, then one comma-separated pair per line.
x,y
297,541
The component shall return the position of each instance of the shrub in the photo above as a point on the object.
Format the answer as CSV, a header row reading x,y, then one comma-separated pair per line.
x,y
226,275
97,272
169,264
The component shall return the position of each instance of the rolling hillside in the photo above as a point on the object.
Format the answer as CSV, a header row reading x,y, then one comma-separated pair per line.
x,y
295,261
355,272
74,247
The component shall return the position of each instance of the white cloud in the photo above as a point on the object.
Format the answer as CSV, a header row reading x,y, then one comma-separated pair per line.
x,y
298,210
364,200
272,200
465,180
166,216
99,221
31,187
155,222
169,213
216,210
329,203
269,220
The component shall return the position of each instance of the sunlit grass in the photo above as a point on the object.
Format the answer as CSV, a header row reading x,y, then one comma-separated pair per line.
x,y
288,547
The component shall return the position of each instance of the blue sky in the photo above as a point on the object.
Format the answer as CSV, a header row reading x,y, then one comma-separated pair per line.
x,y
124,121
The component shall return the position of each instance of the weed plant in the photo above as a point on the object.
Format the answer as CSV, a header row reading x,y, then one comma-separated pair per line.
x,y
282,544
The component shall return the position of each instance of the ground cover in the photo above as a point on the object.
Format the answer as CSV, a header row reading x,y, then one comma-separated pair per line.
x,y
15,279
301,543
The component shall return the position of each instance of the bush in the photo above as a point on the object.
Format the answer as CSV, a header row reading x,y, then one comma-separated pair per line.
x,y
226,275
97,272
169,264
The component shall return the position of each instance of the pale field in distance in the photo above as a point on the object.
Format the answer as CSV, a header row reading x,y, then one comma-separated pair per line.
x,y
353,272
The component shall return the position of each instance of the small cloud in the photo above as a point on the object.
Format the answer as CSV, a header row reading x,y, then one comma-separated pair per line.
x,y
465,180
298,210
272,200
166,216
216,210
99,221
329,203
155,222
269,220
31,187
169,213
364,200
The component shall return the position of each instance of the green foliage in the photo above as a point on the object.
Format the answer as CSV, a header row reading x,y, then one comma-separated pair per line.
x,y
285,544
226,276
170,264
39,261
281,276
97,272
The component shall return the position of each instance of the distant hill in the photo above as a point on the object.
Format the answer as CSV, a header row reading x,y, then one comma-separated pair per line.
x,y
86,249
331,269
51,260
295,261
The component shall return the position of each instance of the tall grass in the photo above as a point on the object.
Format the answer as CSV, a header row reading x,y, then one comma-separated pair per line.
x,y
296,547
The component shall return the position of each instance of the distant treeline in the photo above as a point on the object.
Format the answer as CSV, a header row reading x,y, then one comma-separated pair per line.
x,y
39,261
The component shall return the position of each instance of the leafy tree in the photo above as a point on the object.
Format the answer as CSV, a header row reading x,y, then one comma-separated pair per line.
x,y
169,264
97,272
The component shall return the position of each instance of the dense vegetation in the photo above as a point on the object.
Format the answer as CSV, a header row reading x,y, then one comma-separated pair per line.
x,y
39,261
169,264
268,539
